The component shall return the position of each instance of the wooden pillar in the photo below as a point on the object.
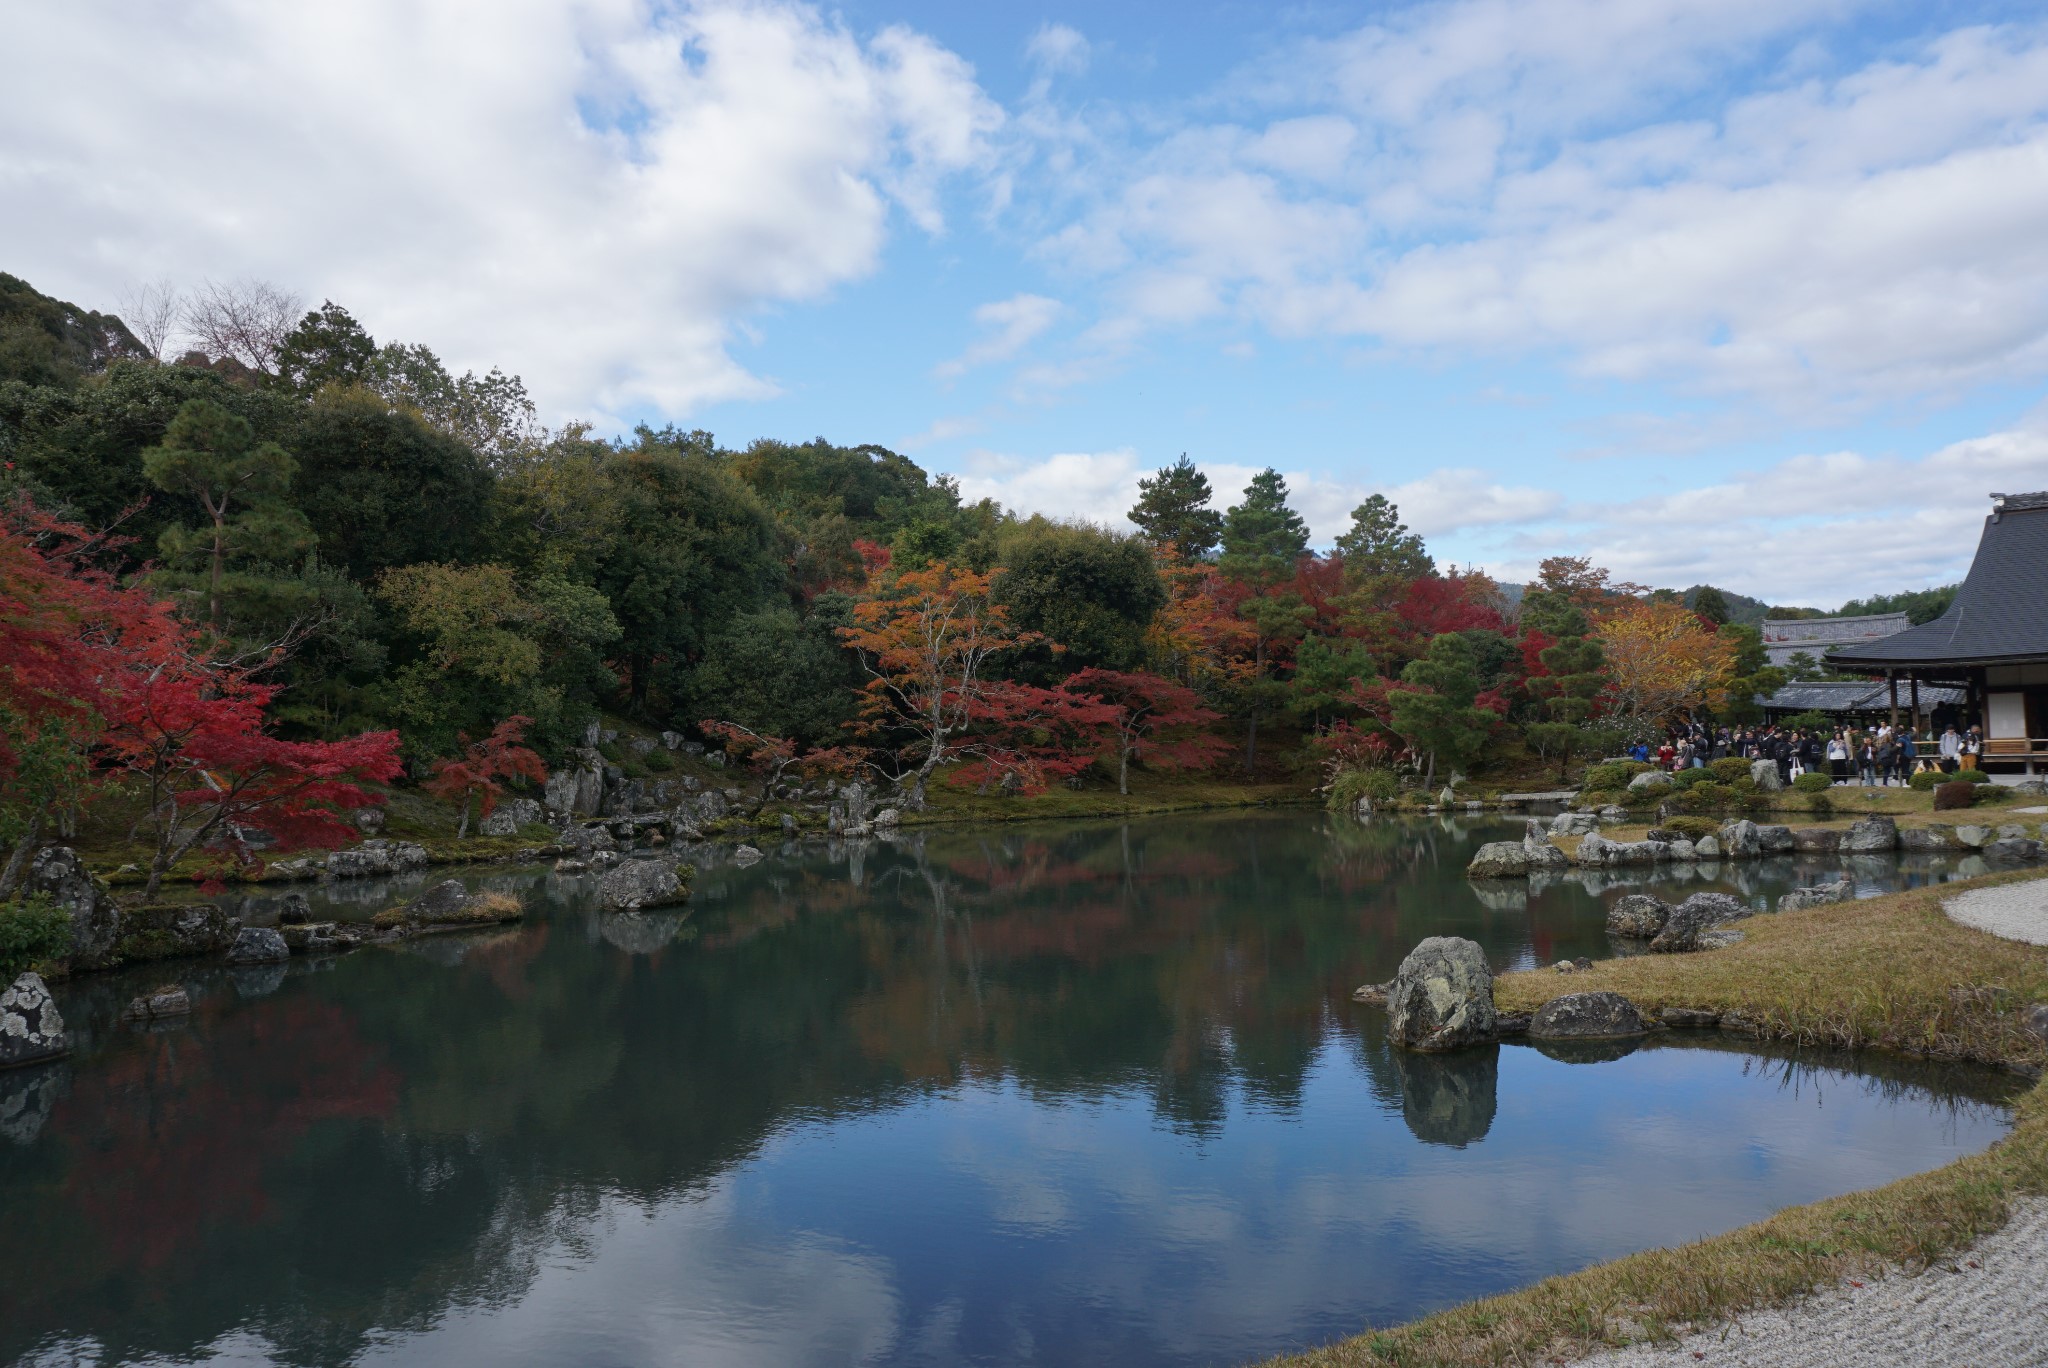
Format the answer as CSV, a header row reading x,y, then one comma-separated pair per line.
x,y
1916,704
1892,680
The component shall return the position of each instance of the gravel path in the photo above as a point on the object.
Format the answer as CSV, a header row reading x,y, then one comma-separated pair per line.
x,y
1988,1309
2015,911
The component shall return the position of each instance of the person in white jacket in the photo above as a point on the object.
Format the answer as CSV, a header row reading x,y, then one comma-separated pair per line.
x,y
1951,749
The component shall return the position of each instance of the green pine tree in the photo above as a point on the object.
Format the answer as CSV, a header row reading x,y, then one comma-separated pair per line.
x,y
1173,508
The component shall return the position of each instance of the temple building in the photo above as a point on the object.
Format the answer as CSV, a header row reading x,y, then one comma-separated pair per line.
x,y
1992,642
1784,638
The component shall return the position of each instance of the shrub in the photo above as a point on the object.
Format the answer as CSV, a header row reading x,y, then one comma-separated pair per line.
x,y
1924,780
1353,784
660,761
1971,776
1820,805
1958,794
31,931
1813,783
1692,828
1613,775
1729,768
1707,796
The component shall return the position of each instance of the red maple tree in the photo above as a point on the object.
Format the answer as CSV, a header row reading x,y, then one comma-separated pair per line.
x,y
1151,720
477,771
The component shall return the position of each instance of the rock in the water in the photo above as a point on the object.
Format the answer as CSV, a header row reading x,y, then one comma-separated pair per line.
x,y
1776,840
1813,840
1819,895
1974,837
746,855
1586,1016
1740,840
1870,834
31,1029
1639,916
1614,812
1499,860
1692,918
888,817
636,884
173,931
313,938
1928,838
1542,855
170,1000
376,859
1764,774
1707,848
294,910
1442,996
258,945
2008,851
442,902
58,874
1650,781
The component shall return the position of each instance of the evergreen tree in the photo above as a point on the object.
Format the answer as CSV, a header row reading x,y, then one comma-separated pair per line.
x,y
1711,604
1262,537
1173,507
240,483
1436,713
328,347
1380,544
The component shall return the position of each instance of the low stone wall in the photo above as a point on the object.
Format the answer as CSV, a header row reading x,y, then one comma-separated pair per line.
x,y
2007,843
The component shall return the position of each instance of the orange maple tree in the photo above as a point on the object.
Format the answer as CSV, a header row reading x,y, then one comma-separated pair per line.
x,y
1662,661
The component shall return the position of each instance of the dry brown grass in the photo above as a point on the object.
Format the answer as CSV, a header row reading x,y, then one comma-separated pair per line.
x,y
1891,972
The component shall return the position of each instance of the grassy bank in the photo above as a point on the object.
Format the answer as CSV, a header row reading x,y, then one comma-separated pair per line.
x,y
1890,972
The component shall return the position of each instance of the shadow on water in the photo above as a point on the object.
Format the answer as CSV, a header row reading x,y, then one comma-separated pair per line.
x,y
1093,1092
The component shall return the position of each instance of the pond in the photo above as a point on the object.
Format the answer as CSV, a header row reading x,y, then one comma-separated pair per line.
x,y
1075,1093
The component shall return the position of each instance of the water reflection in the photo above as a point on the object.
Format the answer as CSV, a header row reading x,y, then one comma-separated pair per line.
x,y
1085,1093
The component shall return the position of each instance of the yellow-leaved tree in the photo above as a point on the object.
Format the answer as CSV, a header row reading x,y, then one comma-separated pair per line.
x,y
1663,661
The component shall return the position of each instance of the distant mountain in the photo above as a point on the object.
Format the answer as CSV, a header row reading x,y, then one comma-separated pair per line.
x,y
1919,605
1741,608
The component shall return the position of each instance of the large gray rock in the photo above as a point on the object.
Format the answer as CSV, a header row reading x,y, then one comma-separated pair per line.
x,y
1499,860
1596,851
1870,834
2009,851
1819,895
170,1000
522,811
376,859
31,1029
1543,856
1928,839
1707,848
636,884
174,931
1442,996
1776,840
1764,774
1971,836
1650,781
441,903
1638,916
1740,840
58,874
1696,915
1573,823
258,945
1816,840
1586,1016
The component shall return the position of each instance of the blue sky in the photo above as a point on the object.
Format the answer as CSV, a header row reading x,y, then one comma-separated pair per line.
x,y
1711,290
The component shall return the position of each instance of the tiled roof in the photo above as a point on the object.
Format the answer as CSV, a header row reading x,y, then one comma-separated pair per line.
x,y
1853,695
2000,614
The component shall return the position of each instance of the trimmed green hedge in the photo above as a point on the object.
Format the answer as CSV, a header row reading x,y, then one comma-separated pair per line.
x,y
1813,783
1971,777
1730,768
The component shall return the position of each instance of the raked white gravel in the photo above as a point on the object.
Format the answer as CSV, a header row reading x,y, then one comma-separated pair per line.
x,y
1987,1307
2016,911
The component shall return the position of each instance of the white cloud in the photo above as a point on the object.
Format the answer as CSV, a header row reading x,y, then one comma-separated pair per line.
x,y
1009,325
1570,179
1058,48
589,192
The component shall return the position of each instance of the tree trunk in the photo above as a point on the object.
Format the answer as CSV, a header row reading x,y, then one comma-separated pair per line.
x,y
462,831
1123,771
10,877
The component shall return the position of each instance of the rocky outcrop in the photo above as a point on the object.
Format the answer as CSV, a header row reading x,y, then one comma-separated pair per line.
x,y
376,859
1691,919
1650,781
1596,851
1637,916
1741,840
636,884
31,1028
1573,824
508,817
1870,834
2008,850
1587,1016
1543,856
1818,895
258,945
1816,840
59,875
1776,840
1442,996
174,931
1501,860
1764,774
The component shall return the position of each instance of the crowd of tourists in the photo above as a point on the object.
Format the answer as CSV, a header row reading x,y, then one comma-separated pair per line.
x,y
1878,756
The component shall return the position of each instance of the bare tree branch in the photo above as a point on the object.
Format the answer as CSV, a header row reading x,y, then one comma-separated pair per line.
x,y
152,311
245,321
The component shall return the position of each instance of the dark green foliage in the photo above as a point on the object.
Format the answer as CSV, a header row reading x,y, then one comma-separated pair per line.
x,y
1919,605
1708,796
1813,783
779,674
1325,668
381,488
31,931
1262,537
1740,608
1173,508
1692,828
1971,776
45,341
1437,715
327,348
1614,774
1923,780
1729,768
1378,544
1754,677
1379,785
1089,590
1958,793
1711,604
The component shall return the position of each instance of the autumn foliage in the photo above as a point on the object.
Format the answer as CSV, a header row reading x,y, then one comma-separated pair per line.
x,y
478,772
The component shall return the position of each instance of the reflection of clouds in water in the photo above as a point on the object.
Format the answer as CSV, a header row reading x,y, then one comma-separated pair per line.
x,y
694,1282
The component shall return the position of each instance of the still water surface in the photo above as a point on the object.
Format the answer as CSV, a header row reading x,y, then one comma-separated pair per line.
x,y
1064,1094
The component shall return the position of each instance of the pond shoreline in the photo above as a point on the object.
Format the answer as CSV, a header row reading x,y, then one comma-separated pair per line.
x,y
1891,974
